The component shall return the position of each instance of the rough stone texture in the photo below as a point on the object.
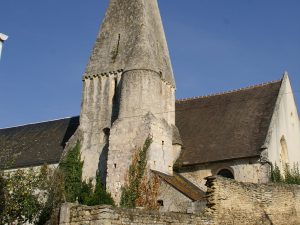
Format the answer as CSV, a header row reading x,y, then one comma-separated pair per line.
x,y
146,110
244,170
229,202
128,95
136,47
244,203
105,215
131,37
95,122
173,200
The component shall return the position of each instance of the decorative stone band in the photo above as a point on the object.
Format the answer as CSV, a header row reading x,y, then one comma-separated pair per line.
x,y
117,72
105,74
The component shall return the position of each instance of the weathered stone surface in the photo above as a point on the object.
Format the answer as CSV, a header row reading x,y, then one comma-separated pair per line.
x,y
131,37
95,122
135,217
228,202
244,170
128,96
246,203
173,200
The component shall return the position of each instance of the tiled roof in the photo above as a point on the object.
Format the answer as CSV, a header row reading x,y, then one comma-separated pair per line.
x,y
35,144
183,185
227,125
219,127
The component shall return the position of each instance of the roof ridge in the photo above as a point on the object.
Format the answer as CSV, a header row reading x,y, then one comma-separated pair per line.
x,y
227,92
45,121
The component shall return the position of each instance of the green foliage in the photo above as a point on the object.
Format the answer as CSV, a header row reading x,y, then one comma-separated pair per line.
x,y
289,175
131,191
292,175
33,195
90,196
22,195
75,189
55,194
276,175
71,166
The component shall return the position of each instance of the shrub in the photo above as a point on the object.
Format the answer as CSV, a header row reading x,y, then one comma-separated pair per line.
x,y
21,200
276,174
31,196
94,196
71,167
288,176
131,191
55,194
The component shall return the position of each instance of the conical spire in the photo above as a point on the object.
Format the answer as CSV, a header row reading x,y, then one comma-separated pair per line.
x,y
131,37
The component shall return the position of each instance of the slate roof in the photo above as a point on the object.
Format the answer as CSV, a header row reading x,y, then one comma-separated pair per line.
x,y
35,144
225,126
220,127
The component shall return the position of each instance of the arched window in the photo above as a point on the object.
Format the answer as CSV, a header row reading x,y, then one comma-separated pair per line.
x,y
283,155
226,173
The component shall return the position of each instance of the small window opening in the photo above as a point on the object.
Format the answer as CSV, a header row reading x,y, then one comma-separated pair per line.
x,y
162,142
106,131
226,173
160,202
115,165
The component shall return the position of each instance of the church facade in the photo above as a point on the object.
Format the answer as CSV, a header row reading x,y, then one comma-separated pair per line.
x,y
129,96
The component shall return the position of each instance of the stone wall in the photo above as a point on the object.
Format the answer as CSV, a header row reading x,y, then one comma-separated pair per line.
x,y
95,122
229,202
146,110
106,215
244,170
173,200
244,203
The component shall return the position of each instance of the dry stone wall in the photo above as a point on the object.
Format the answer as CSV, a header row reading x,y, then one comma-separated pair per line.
x,y
105,215
228,203
245,203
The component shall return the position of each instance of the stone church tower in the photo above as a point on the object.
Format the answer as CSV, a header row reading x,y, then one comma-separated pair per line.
x,y
128,95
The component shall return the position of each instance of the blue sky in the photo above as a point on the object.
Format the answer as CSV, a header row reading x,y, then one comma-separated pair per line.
x,y
215,46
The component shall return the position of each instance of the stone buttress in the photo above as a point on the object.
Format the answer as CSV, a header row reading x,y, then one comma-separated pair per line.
x,y
128,95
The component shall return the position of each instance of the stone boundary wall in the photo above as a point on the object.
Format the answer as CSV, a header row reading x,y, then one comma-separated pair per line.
x,y
245,203
229,203
107,215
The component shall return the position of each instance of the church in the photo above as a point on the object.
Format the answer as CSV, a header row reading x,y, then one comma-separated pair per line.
x,y
129,96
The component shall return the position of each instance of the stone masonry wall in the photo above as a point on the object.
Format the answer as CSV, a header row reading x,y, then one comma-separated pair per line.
x,y
229,203
244,170
146,110
245,203
106,215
